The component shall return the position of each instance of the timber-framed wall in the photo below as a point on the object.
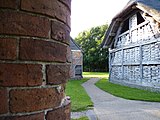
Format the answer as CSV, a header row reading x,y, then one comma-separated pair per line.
x,y
133,39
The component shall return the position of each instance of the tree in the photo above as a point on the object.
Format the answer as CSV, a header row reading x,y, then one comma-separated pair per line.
x,y
95,58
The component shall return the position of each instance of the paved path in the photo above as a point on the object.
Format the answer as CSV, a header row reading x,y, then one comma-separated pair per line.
x,y
89,113
109,107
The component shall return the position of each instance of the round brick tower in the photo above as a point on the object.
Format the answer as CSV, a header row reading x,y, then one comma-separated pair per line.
x,y
34,62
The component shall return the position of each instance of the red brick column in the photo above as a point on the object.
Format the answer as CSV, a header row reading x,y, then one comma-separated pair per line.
x,y
34,65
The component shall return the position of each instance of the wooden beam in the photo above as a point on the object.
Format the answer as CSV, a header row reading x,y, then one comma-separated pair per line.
x,y
141,66
112,34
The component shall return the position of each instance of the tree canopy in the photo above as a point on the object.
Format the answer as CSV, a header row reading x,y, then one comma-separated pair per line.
x,y
95,58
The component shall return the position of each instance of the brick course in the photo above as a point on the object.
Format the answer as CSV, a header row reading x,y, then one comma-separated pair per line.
x,y
69,55
3,101
8,4
8,48
39,116
39,50
62,113
67,2
34,99
57,74
20,75
60,32
23,24
52,8
34,57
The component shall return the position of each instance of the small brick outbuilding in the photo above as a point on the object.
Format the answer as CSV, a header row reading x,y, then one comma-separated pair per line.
x,y
77,60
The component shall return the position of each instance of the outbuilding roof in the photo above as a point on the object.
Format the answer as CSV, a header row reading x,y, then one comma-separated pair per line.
x,y
151,7
73,45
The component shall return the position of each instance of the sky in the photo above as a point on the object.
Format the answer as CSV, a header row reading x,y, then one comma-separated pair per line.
x,y
91,13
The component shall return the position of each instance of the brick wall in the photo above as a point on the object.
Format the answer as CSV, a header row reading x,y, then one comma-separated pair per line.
x,y
34,65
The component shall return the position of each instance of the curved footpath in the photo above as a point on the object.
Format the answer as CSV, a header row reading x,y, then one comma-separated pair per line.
x,y
109,107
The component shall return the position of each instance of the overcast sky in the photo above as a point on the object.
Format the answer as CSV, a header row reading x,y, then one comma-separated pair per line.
x,y
89,13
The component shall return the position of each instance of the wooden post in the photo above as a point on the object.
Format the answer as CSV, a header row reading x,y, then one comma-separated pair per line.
x,y
141,66
110,65
122,64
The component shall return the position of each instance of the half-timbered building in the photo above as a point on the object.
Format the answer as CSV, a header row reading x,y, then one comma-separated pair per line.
x,y
133,39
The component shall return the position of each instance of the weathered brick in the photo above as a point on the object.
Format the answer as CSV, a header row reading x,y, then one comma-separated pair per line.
x,y
8,4
3,101
34,99
20,75
57,74
32,49
8,48
60,32
52,8
62,113
39,116
25,95
66,2
69,57
23,24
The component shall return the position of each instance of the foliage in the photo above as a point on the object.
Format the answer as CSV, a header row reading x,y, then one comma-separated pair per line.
x,y
127,92
96,74
95,58
80,99
82,118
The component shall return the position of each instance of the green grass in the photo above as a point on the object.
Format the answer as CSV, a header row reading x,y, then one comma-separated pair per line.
x,y
80,100
82,118
96,74
127,92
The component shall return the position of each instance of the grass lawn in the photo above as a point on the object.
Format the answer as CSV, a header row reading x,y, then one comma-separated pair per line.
x,y
127,92
82,118
96,74
80,101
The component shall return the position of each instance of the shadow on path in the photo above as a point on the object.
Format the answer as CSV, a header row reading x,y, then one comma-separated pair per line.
x,y
109,107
